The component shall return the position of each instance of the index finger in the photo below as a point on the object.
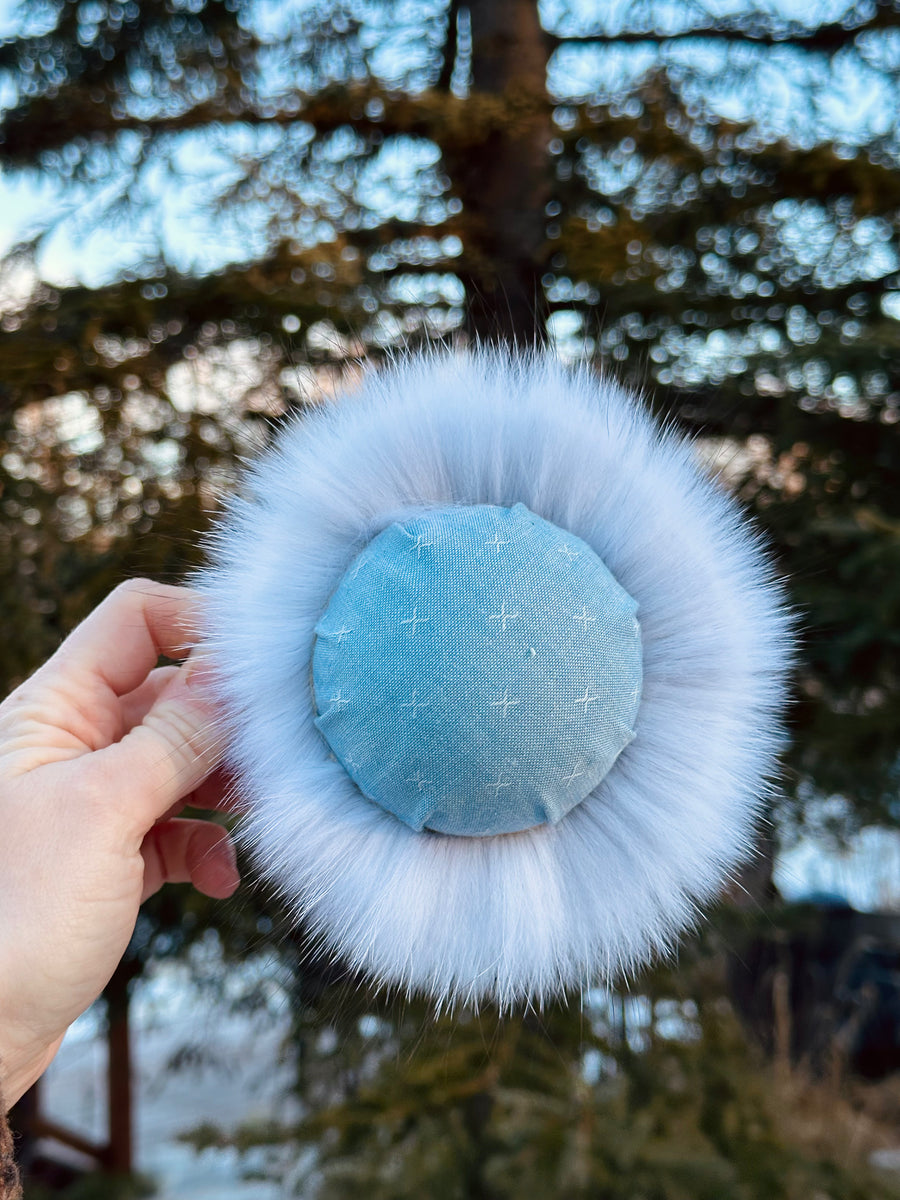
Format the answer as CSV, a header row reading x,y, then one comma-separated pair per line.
x,y
122,639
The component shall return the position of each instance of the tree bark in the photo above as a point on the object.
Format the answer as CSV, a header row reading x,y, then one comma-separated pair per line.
x,y
504,180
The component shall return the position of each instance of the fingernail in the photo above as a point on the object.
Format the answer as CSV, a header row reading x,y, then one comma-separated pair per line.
x,y
231,859
197,672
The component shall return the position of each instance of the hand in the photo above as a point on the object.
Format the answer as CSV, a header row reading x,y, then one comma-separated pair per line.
x,y
98,751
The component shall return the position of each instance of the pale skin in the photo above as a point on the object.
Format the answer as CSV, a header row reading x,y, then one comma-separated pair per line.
x,y
99,750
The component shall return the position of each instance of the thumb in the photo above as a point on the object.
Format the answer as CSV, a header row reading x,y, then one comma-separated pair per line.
x,y
164,758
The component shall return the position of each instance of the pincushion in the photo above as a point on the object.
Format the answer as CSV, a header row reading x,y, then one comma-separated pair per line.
x,y
426,794
477,671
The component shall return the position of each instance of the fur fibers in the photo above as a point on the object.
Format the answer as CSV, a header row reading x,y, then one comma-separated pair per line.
x,y
521,917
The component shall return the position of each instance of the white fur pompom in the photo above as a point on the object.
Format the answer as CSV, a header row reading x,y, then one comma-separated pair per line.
x,y
518,916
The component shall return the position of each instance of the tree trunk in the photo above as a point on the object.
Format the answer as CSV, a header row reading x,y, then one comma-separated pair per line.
x,y
119,1075
504,179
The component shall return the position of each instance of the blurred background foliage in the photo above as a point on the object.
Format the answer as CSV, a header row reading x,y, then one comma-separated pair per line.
x,y
217,208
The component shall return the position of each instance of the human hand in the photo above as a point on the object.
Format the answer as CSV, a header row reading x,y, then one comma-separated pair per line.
x,y
98,750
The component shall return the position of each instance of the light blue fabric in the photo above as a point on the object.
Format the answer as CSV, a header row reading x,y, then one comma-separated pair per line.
x,y
477,670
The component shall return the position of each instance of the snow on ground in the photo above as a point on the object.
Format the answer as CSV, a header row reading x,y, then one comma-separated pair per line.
x,y
234,1069
863,868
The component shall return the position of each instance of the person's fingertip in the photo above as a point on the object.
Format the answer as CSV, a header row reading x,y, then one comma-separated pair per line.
x,y
214,871
231,885
218,884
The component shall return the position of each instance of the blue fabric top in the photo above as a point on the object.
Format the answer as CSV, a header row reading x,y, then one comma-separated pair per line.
x,y
477,670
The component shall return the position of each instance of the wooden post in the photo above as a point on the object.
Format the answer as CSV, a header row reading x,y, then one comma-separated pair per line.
x,y
119,1153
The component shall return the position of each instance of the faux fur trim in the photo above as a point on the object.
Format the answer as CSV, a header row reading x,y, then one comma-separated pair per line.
x,y
520,916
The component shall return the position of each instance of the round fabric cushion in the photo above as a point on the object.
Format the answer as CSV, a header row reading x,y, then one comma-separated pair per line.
x,y
477,670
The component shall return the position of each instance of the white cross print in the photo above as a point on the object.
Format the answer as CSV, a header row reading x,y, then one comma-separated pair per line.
x,y
568,552
576,774
585,700
584,617
496,541
421,544
503,616
415,620
339,633
499,784
506,704
359,566
415,704
339,698
418,780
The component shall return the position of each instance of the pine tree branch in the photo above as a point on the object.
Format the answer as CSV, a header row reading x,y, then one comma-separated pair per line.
x,y
44,126
827,38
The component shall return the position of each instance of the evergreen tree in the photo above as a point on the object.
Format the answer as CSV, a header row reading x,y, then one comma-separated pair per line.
x,y
373,174
402,171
